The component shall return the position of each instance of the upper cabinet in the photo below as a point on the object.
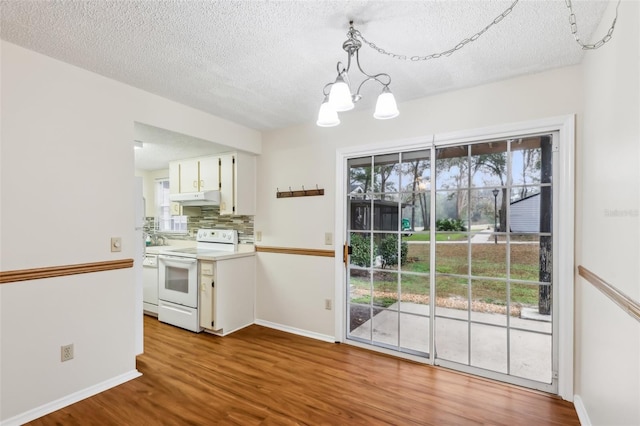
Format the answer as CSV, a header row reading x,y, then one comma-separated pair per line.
x,y
233,173
194,175
209,174
237,184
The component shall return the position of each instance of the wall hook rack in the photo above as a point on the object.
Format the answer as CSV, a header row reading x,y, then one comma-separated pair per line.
x,y
299,193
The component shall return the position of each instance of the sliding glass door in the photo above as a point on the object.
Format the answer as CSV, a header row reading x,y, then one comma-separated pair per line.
x,y
451,256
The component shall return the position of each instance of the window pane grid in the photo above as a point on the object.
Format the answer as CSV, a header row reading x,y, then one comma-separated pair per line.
x,y
487,235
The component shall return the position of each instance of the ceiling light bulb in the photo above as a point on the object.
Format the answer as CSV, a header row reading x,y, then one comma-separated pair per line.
x,y
340,95
386,105
327,116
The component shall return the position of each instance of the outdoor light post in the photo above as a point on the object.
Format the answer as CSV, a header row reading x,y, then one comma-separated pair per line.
x,y
495,214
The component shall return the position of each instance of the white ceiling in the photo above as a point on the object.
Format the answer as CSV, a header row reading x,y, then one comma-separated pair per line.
x,y
263,64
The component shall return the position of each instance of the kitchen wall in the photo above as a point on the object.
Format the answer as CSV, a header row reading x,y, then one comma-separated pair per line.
x,y
608,224
67,135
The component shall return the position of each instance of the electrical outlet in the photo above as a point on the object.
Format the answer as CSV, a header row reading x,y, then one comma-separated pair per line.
x,y
66,352
327,304
328,238
116,244
258,236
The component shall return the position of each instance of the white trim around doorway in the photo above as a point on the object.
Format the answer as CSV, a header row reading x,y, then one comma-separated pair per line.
x,y
565,182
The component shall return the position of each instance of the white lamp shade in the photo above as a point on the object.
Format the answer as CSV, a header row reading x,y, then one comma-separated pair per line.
x,y
327,116
340,95
386,106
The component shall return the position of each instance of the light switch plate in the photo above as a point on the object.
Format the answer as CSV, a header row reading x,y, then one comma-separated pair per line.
x,y
116,244
328,238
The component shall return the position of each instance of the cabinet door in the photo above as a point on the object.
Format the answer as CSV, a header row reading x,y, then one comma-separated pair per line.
x,y
174,177
209,174
207,296
189,176
227,183
238,184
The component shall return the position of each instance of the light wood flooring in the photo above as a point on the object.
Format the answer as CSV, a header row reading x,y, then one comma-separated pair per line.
x,y
260,376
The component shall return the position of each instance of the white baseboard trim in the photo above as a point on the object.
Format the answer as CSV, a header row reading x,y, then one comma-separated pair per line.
x,y
52,406
581,410
298,331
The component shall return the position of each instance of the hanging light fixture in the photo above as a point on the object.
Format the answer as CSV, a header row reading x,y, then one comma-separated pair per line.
x,y
327,117
338,96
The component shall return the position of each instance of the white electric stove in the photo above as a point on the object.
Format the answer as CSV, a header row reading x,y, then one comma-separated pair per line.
x,y
178,276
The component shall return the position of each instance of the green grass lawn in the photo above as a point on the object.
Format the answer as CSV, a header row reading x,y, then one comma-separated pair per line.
x,y
452,236
487,260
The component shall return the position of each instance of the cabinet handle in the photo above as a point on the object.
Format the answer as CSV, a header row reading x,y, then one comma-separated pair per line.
x,y
202,184
195,183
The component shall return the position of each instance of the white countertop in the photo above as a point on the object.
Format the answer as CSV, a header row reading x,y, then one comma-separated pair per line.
x,y
157,249
244,250
226,255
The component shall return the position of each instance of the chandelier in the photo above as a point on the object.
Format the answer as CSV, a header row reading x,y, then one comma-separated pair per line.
x,y
338,96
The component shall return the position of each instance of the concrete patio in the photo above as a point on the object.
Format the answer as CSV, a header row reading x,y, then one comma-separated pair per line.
x,y
530,352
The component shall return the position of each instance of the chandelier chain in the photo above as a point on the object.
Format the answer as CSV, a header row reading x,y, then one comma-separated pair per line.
x,y
574,29
457,47
498,19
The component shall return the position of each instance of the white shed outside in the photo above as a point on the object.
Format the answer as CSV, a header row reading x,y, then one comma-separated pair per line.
x,y
525,214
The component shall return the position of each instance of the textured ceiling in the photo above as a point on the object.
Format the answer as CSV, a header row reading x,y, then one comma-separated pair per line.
x,y
263,64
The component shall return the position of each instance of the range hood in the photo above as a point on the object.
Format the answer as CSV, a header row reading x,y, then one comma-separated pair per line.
x,y
203,198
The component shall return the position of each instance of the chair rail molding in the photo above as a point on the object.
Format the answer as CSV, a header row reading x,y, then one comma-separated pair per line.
x,y
625,302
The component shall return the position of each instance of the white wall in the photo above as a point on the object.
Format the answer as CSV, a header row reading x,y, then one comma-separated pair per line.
x,y
66,168
306,155
607,339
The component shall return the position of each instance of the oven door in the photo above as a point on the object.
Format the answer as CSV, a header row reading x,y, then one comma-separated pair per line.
x,y
178,280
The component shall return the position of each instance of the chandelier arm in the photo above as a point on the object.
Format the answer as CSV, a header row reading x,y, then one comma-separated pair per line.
x,y
343,70
371,76
327,86
357,96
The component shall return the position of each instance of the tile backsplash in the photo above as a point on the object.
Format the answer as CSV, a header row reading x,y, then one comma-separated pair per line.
x,y
210,217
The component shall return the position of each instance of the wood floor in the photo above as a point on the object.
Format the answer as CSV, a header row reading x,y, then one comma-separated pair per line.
x,y
260,376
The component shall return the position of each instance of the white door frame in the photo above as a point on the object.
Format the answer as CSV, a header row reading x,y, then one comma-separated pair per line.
x,y
564,184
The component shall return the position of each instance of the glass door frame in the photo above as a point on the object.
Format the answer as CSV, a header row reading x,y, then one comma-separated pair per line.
x,y
564,186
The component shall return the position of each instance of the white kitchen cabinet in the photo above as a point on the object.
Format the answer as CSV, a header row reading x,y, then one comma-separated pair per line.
x,y
209,174
227,294
189,175
237,184
194,175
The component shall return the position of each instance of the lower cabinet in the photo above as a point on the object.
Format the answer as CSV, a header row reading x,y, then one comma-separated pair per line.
x,y
227,294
